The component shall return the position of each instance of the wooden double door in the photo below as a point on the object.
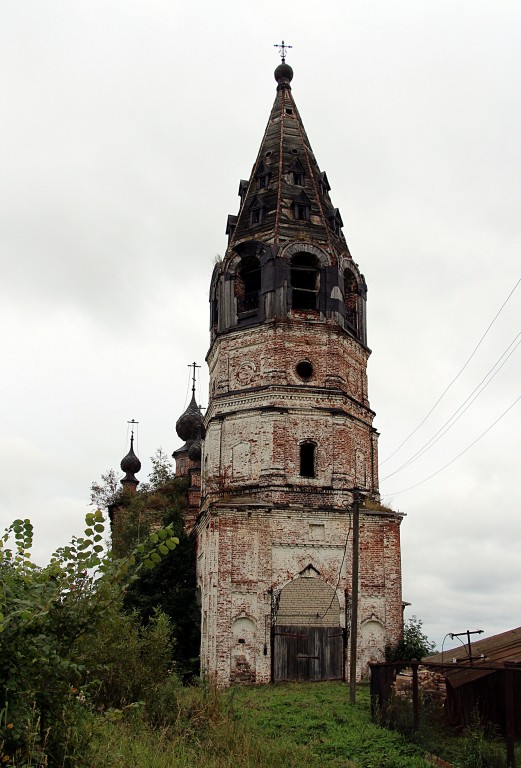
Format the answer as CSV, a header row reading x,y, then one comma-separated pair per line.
x,y
307,653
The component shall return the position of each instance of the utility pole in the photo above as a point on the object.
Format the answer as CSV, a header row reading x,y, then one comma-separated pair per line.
x,y
354,595
468,633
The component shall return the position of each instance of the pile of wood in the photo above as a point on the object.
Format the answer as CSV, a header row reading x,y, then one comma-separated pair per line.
x,y
431,684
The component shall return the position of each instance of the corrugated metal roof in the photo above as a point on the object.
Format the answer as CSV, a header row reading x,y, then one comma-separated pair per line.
x,y
493,652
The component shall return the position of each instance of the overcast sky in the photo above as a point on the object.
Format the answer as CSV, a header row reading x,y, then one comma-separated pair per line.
x,y
125,127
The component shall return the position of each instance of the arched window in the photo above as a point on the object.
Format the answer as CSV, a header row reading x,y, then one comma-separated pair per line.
x,y
304,281
307,459
247,284
351,298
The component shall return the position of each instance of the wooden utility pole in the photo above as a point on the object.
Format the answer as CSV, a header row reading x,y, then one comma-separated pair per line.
x,y
354,596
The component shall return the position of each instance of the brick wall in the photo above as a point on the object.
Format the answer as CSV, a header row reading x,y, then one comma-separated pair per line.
x,y
248,555
264,528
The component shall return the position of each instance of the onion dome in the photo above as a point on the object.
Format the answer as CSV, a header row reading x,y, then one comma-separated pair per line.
x,y
283,75
189,426
194,451
130,464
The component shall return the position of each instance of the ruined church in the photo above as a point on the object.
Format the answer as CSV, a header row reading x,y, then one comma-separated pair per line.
x,y
288,436
287,446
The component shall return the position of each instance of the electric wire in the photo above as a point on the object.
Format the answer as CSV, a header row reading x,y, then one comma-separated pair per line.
x,y
443,643
425,479
341,565
200,395
461,641
440,398
188,386
454,418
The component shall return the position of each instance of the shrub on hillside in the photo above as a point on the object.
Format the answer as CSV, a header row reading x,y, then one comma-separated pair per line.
x,y
51,620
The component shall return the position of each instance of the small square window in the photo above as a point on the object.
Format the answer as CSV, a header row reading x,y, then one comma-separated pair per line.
x,y
301,212
256,216
298,178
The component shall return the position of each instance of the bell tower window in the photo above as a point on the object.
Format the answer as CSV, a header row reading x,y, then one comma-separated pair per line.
x,y
262,175
230,226
243,188
351,298
248,284
301,207
301,212
256,212
298,173
335,222
324,184
304,281
256,216
307,459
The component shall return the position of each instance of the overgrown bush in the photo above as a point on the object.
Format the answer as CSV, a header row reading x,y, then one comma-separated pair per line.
x,y
127,660
171,587
413,645
51,620
482,747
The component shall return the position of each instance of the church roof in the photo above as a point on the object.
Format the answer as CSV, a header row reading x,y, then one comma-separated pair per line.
x,y
189,425
287,195
130,464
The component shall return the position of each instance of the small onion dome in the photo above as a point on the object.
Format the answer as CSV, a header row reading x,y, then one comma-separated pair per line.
x,y
189,426
284,75
130,464
194,452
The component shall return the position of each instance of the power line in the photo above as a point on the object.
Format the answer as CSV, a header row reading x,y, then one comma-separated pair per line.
x,y
341,565
440,398
454,418
395,493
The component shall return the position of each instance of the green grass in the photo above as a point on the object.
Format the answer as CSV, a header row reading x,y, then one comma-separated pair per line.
x,y
319,718
285,726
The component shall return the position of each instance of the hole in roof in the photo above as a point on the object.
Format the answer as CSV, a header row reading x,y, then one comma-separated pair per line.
x,y
268,153
294,151
289,111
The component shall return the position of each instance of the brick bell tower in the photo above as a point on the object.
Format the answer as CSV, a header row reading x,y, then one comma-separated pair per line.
x,y
289,434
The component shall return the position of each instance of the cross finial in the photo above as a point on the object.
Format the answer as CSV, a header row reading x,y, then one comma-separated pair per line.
x,y
282,49
193,366
132,421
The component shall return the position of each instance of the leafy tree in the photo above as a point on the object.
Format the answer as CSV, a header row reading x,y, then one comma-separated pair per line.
x,y
105,493
48,618
413,645
171,587
162,471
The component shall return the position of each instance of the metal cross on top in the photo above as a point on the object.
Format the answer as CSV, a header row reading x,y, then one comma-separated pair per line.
x,y
282,49
194,366
132,422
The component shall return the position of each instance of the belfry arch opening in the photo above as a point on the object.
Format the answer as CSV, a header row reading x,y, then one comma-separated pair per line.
x,y
351,298
305,281
248,284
